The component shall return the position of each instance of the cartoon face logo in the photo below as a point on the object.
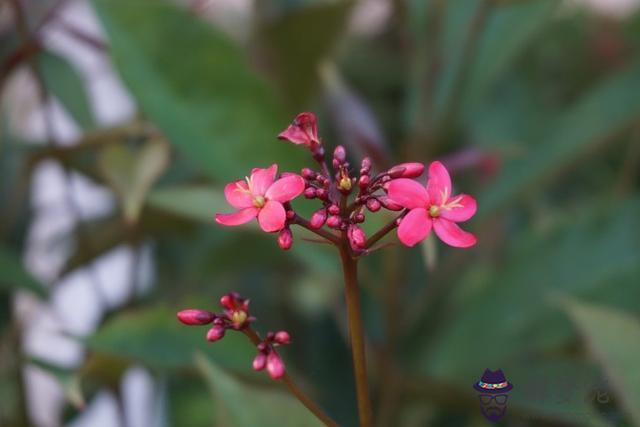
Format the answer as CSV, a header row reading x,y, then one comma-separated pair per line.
x,y
493,388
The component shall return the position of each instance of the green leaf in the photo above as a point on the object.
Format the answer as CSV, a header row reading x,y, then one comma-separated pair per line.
x,y
299,40
522,22
13,276
613,338
132,171
599,116
156,338
268,408
63,80
199,203
513,312
197,87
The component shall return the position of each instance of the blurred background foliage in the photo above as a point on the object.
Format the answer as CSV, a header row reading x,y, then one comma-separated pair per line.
x,y
534,105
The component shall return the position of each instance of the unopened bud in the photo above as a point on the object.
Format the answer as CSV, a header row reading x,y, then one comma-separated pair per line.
x,y
260,362
322,194
359,218
334,221
318,218
339,154
290,214
308,173
310,193
408,170
357,238
275,367
365,166
216,333
282,337
389,204
334,210
196,317
285,239
364,181
373,205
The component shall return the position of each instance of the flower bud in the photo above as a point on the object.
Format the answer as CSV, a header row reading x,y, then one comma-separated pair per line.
x,y
310,193
322,194
365,166
290,213
282,337
275,367
359,218
356,236
364,181
259,362
334,221
334,210
389,204
407,170
196,317
308,173
318,218
373,205
216,333
285,239
340,155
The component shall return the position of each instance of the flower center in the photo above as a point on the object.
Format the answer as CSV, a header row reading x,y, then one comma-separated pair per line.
x,y
434,211
239,318
258,201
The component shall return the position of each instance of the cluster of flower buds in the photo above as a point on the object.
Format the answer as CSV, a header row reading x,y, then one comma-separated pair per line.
x,y
235,316
346,197
268,358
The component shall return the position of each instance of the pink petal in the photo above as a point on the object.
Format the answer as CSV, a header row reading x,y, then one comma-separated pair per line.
x,y
459,208
287,188
295,134
439,183
237,218
303,130
261,179
408,193
272,216
238,195
414,227
453,235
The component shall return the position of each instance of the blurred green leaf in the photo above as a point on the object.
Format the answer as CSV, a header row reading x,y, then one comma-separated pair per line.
x,y
13,276
68,380
63,80
613,337
522,22
599,116
207,100
299,40
512,312
132,171
197,202
156,338
269,408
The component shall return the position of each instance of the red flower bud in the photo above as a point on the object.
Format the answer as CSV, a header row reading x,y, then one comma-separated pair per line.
x,y
411,170
334,210
310,193
282,337
321,194
308,173
318,218
275,367
340,155
260,362
334,221
216,333
365,166
196,317
356,236
389,204
285,239
373,205
364,181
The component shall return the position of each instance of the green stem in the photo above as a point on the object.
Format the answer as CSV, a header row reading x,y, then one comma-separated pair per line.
x,y
356,334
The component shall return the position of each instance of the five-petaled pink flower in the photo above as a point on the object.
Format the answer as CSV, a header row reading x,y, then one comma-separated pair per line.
x,y
303,130
432,207
261,196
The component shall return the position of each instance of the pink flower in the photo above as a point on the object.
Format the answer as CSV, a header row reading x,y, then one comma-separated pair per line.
x,y
433,207
303,130
261,196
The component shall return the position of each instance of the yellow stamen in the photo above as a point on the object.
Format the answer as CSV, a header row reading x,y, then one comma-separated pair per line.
x,y
258,201
434,211
239,317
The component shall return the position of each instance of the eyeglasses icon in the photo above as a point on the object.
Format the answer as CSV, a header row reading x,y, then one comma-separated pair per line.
x,y
486,399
